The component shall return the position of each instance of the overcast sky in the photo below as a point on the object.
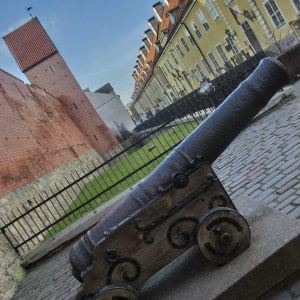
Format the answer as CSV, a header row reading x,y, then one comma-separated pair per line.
x,y
98,39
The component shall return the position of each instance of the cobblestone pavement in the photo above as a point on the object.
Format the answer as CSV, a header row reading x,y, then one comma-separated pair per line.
x,y
262,163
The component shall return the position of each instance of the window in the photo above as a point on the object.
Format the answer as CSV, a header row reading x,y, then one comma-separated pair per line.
x,y
184,44
200,71
164,70
203,20
174,58
231,45
213,60
52,69
227,2
170,65
297,4
194,75
190,38
205,64
221,53
179,50
212,10
167,68
274,13
196,30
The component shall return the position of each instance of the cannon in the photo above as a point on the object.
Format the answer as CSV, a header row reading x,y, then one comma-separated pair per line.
x,y
181,203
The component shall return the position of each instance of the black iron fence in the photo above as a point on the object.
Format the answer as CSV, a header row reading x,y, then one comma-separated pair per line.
x,y
65,202
27,226
223,86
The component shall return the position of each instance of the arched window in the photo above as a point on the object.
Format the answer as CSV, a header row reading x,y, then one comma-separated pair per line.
x,y
212,10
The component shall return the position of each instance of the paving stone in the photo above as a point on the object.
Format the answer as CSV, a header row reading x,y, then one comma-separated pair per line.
x,y
295,213
286,197
287,209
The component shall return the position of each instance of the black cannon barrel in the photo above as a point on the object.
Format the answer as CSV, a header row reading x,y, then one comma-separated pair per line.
x,y
205,143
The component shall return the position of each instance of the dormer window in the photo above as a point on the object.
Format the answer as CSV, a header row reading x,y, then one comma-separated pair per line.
x,y
158,9
149,35
153,25
171,17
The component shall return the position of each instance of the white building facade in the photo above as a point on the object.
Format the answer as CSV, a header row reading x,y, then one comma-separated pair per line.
x,y
110,108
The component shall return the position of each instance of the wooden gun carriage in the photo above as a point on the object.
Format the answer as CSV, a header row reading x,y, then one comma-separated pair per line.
x,y
179,204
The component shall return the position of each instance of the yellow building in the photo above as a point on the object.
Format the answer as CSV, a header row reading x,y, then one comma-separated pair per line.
x,y
190,41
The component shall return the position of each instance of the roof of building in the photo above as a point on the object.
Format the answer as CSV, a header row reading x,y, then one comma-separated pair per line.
x,y
30,44
105,89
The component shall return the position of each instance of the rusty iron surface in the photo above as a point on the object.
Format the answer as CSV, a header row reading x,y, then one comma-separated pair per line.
x,y
205,143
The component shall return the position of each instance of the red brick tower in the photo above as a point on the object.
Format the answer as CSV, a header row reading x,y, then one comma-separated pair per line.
x,y
42,64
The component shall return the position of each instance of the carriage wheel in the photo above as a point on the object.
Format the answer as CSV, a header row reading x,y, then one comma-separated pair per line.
x,y
222,234
120,291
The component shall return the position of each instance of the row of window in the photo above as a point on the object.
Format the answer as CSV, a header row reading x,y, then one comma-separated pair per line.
x,y
187,41
169,66
270,5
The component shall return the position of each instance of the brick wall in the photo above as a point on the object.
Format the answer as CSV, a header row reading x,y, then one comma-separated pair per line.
x,y
55,77
36,135
41,62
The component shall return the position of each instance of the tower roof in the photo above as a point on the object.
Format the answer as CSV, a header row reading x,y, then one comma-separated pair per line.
x,y
30,44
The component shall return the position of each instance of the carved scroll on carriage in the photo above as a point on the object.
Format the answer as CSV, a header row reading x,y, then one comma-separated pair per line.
x,y
179,204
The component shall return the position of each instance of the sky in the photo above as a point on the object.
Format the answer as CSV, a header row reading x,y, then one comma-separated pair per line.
x,y
98,39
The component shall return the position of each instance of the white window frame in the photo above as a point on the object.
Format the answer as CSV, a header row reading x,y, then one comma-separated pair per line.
x,y
296,5
197,66
203,20
170,65
221,53
174,58
277,14
212,10
228,2
213,60
196,30
205,64
230,42
179,50
190,38
194,75
184,44
167,68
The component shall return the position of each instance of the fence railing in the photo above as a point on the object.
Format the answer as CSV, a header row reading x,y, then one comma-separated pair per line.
x,y
62,204
55,209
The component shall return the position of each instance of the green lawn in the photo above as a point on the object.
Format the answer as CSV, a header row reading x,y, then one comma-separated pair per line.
x,y
105,186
